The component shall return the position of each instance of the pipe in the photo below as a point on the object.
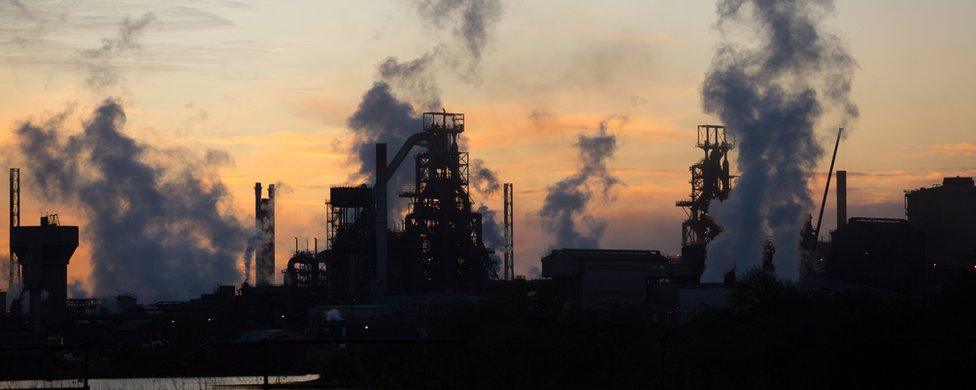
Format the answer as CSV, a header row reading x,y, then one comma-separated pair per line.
x,y
383,173
414,140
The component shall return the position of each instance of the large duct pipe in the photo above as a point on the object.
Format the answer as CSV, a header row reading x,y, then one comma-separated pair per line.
x,y
380,222
841,198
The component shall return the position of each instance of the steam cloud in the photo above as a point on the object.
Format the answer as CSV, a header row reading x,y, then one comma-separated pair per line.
x,y
381,117
102,73
483,178
388,112
567,199
771,96
475,19
491,232
155,230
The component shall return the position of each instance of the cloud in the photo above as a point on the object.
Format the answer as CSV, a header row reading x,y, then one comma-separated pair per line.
x,y
955,149
471,21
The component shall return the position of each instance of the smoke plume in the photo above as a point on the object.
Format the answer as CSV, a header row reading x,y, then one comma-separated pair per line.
x,y
491,232
155,229
381,117
414,80
102,72
473,22
771,96
390,110
566,201
483,178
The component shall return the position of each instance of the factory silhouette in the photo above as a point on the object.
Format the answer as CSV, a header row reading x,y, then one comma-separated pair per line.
x,y
375,285
414,283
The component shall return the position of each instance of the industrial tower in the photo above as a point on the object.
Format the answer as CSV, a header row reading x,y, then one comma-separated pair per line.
x,y
710,179
264,221
441,246
13,270
452,252
509,258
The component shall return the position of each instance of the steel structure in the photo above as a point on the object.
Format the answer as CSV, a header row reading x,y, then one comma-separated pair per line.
x,y
509,257
710,179
13,270
452,253
348,260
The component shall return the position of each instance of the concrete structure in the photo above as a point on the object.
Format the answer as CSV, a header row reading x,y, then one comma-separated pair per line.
x,y
841,198
43,252
594,279
264,221
947,216
878,252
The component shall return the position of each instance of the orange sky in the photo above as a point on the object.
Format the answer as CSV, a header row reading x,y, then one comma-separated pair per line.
x,y
273,83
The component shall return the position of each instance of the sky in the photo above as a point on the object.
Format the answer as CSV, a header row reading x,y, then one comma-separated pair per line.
x,y
272,83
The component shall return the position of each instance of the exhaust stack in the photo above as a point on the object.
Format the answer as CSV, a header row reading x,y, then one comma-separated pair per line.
x,y
841,198
264,220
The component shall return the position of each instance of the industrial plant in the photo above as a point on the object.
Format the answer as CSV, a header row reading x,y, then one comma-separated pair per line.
x,y
369,281
721,272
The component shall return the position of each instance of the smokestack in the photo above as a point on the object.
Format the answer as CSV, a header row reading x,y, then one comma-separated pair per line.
x,y
13,276
381,222
841,198
270,234
257,206
264,220
509,202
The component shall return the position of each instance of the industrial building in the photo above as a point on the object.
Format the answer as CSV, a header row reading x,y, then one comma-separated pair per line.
x,y
43,253
369,280
946,214
878,252
710,180
604,278
439,247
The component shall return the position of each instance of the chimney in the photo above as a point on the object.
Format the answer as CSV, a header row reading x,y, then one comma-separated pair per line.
x,y
841,198
381,222
264,220
257,206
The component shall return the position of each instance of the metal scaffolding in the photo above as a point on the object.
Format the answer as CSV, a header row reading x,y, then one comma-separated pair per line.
x,y
452,252
509,258
710,179
13,275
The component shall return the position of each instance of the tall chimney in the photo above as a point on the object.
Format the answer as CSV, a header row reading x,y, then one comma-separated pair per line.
x,y
381,222
269,234
841,198
264,220
257,206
